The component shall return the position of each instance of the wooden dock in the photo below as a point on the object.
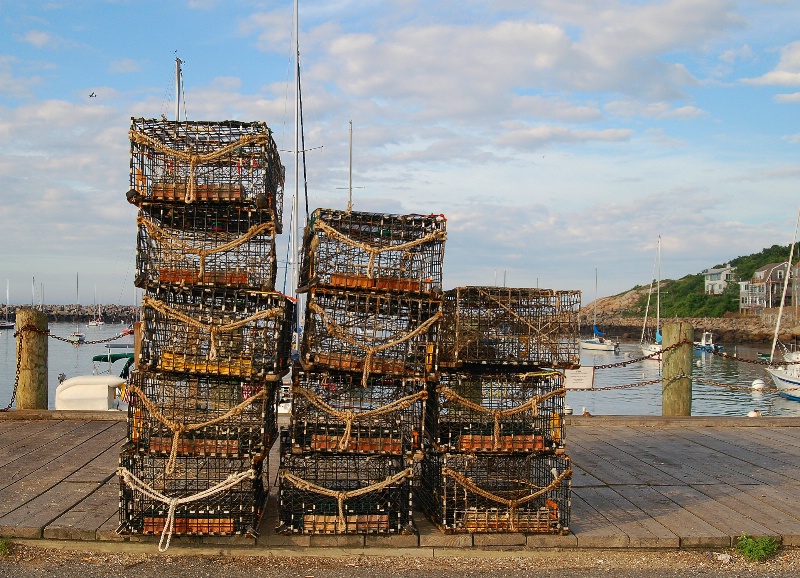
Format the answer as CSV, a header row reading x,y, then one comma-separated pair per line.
x,y
639,482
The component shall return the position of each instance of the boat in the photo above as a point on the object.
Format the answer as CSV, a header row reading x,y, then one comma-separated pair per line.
x,y
104,390
706,343
786,375
653,348
97,321
6,323
76,336
598,342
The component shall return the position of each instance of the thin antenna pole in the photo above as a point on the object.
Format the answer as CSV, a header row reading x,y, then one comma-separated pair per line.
x,y
177,89
350,196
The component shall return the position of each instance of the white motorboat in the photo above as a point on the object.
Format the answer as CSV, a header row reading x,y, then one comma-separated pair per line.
x,y
104,390
706,343
598,342
653,348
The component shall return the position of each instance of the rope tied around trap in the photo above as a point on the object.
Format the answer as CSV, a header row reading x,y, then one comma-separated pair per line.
x,y
372,250
339,332
532,404
135,483
161,234
193,158
341,496
512,504
213,329
180,428
349,416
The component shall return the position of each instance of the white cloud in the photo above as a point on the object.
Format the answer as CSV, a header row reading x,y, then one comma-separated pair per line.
x,y
659,110
788,98
539,136
785,73
38,38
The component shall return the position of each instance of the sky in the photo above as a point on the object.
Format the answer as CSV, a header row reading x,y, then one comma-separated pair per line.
x,y
560,139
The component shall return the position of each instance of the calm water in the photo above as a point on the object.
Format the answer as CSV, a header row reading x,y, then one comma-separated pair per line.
x,y
646,400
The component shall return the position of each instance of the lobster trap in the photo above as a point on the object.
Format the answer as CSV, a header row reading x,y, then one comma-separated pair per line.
x,y
334,412
504,413
179,415
526,328
202,246
353,250
216,331
228,162
494,494
344,494
211,496
370,333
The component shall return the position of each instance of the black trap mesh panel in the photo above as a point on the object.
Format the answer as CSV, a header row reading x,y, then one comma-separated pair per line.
x,y
334,412
228,162
507,412
344,494
213,416
373,251
225,511
204,246
492,494
389,334
215,331
529,328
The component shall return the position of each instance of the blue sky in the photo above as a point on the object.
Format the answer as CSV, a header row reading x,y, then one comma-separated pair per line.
x,y
557,137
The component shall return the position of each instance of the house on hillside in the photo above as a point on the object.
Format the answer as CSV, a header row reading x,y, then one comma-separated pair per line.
x,y
716,280
764,290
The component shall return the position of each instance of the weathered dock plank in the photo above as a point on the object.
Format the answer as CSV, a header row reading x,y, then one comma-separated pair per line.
x,y
19,442
84,520
592,529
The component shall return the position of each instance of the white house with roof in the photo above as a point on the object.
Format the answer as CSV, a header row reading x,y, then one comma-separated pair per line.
x,y
717,279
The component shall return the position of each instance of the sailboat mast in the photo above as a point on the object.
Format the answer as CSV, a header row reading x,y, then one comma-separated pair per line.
x,y
658,289
594,321
295,244
785,285
178,63
350,187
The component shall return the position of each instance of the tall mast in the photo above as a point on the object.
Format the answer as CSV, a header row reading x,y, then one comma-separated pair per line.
x,y
350,187
785,285
177,89
295,244
658,289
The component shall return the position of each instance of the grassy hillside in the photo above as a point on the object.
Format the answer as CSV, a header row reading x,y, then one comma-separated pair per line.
x,y
685,297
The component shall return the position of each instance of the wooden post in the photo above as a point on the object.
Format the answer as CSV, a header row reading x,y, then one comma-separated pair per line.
x,y
32,386
138,328
676,393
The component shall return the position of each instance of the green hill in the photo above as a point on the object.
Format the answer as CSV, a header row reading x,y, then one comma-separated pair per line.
x,y
685,297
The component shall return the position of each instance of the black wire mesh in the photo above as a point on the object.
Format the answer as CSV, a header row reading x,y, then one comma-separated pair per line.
x,y
216,331
204,246
342,327
491,494
236,510
385,417
227,162
373,251
528,328
302,508
163,403
519,413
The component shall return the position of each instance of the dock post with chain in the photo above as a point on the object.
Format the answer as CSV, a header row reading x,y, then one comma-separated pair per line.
x,y
31,332
676,393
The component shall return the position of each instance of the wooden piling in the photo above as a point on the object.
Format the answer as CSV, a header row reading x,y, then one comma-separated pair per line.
x,y
676,392
32,385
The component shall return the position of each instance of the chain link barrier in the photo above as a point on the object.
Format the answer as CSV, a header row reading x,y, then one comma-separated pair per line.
x,y
33,329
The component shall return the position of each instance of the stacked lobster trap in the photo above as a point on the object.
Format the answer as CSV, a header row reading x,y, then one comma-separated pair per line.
x,y
368,352
495,426
216,337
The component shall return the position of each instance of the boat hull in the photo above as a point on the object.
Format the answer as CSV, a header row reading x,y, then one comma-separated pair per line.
x,y
597,345
787,380
650,349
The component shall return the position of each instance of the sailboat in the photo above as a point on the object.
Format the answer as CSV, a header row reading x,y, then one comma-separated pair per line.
x,y
6,323
76,336
786,377
654,347
598,342
99,319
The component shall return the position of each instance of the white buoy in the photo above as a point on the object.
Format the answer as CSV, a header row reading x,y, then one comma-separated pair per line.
x,y
754,413
567,410
758,384
699,363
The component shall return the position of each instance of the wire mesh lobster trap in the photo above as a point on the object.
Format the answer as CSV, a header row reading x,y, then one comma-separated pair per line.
x,y
378,333
216,331
180,415
334,412
373,251
201,246
528,328
344,494
503,412
211,496
227,162
493,494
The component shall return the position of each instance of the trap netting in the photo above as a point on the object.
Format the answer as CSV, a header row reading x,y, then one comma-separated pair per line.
x,y
202,496
179,415
498,412
334,412
204,246
344,494
370,333
501,493
216,331
529,328
374,251
228,162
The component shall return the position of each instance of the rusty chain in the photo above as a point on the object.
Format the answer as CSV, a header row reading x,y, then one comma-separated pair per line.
x,y
753,361
638,359
32,328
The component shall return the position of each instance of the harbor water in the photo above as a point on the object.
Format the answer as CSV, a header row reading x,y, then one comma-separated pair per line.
x,y
707,400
